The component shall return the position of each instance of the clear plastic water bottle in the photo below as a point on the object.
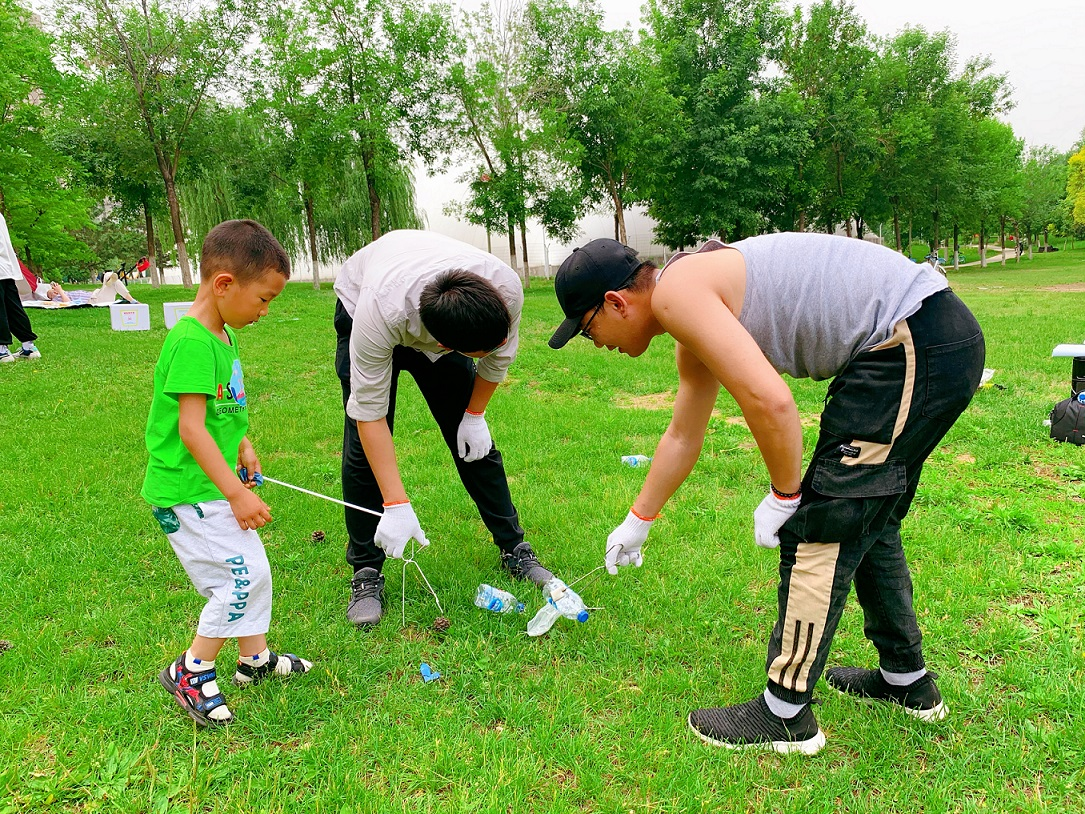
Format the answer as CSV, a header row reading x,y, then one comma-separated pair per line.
x,y
496,600
561,600
636,460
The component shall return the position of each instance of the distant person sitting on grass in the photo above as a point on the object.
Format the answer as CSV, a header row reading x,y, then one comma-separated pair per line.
x,y
196,432
111,288
905,356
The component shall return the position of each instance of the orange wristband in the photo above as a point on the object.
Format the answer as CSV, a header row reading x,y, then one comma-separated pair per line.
x,y
472,412
645,519
395,503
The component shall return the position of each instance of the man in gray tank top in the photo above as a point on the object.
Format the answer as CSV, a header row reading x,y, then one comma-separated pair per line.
x,y
905,356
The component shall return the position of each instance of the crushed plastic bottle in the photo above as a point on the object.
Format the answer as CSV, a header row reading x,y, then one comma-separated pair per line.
x,y
496,600
561,600
636,460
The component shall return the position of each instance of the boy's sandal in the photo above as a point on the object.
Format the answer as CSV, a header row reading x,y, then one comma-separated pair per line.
x,y
247,674
187,691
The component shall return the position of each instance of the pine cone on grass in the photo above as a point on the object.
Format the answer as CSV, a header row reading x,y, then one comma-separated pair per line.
x,y
441,624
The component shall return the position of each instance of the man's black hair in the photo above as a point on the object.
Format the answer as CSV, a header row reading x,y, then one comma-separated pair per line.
x,y
464,312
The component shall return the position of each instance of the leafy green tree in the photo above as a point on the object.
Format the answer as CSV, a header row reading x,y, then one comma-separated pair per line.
x,y
601,99
1044,181
42,194
719,170
388,64
1075,186
120,170
827,57
169,59
494,124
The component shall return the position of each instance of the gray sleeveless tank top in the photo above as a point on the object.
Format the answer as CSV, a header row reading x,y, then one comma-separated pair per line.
x,y
815,301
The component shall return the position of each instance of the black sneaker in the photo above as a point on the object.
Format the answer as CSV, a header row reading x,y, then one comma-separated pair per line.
x,y
753,726
920,698
366,596
523,564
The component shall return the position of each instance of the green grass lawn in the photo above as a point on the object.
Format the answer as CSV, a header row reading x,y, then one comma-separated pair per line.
x,y
592,717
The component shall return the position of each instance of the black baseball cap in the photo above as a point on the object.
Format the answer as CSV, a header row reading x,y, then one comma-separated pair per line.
x,y
584,279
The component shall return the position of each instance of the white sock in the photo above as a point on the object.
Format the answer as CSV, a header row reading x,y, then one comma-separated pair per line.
x,y
3,349
902,679
210,688
781,708
259,660
28,346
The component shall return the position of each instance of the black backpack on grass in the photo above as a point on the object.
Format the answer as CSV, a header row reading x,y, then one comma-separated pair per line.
x,y
1068,420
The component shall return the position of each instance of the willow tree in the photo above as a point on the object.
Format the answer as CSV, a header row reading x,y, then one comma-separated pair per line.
x,y
253,176
169,57
385,61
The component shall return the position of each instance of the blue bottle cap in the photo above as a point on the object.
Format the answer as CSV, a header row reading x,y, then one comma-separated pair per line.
x,y
519,607
582,616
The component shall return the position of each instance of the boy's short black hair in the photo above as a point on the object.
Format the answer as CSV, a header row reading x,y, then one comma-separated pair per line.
x,y
464,312
245,249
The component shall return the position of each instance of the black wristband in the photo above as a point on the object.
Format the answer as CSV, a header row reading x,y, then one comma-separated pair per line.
x,y
784,495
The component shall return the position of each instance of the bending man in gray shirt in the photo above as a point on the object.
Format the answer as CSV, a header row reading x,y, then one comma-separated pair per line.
x,y
905,355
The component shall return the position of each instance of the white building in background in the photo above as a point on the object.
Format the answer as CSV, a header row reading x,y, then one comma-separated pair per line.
x,y
544,254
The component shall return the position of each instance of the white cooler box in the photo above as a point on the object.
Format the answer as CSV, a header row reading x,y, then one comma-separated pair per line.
x,y
173,311
130,316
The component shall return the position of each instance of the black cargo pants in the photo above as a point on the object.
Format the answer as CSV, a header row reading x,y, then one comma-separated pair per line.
x,y
885,414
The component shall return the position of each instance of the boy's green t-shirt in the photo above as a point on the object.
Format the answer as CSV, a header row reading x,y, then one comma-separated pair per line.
x,y
193,360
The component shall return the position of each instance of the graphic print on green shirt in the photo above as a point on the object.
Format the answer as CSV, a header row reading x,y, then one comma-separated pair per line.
x,y
193,360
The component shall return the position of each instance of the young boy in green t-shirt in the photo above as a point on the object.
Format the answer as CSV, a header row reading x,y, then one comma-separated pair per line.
x,y
196,429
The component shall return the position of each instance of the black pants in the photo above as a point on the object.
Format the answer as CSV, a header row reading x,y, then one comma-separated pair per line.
x,y
13,318
446,386
885,414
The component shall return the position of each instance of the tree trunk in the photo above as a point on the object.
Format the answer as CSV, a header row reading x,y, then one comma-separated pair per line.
x,y
178,230
148,225
983,248
956,247
512,243
368,162
847,226
523,246
310,222
1002,237
896,228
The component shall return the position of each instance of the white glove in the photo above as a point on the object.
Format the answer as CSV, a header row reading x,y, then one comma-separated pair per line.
x,y
770,516
398,524
623,544
474,434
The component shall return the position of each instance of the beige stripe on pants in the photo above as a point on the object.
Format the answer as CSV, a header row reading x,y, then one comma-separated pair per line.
x,y
811,584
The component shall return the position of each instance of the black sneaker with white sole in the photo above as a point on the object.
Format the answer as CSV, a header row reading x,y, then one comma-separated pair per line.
x,y
522,563
920,699
753,726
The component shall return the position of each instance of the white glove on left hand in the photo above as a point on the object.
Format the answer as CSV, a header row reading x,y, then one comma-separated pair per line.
x,y
473,441
769,517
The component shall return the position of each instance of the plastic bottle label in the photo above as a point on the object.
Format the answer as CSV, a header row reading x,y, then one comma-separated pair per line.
x,y
495,604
